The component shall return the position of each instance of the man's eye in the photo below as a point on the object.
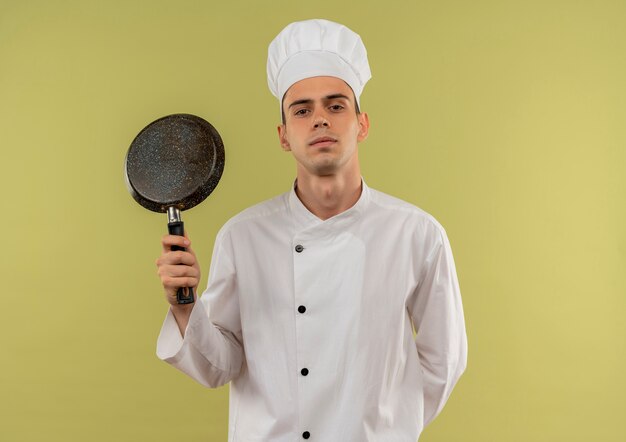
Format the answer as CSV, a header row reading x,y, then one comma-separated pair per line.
x,y
301,112
336,107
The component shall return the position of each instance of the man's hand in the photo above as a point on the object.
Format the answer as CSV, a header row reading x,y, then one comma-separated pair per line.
x,y
178,269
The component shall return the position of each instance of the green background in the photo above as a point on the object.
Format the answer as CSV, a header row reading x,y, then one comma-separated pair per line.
x,y
506,120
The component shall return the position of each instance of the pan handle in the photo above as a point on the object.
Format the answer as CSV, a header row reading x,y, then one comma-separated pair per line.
x,y
184,295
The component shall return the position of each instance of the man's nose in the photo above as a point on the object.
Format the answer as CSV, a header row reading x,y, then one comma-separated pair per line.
x,y
320,121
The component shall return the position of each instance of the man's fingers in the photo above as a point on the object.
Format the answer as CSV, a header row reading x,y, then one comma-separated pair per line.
x,y
174,276
175,283
177,268
174,240
178,257
177,271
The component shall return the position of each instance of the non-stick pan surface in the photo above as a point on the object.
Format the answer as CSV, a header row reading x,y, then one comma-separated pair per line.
x,y
175,161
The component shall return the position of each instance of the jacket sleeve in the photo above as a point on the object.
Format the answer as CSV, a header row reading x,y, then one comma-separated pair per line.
x,y
212,350
437,314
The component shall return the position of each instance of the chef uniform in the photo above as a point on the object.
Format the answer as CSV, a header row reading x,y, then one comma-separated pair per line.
x,y
312,321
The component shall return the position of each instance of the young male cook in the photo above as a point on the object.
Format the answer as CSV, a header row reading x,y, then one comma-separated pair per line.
x,y
313,296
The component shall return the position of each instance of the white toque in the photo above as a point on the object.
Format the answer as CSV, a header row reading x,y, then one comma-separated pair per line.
x,y
315,48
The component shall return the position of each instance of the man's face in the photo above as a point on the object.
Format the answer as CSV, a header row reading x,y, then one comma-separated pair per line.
x,y
321,126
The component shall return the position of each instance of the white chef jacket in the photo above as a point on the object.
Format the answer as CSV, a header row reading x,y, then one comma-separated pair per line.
x,y
312,322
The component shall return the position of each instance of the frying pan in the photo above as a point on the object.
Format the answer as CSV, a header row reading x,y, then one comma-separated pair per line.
x,y
173,164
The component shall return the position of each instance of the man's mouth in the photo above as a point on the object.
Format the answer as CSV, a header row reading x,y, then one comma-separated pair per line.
x,y
322,141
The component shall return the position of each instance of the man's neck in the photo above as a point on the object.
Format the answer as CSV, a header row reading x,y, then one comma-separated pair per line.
x,y
327,196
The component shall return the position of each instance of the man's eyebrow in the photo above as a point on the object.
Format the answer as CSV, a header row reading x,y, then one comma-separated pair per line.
x,y
333,96
309,100
303,101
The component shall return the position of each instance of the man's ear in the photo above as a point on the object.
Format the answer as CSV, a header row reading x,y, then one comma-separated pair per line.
x,y
364,126
282,137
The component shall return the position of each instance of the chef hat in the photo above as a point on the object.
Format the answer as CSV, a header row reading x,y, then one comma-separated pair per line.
x,y
314,48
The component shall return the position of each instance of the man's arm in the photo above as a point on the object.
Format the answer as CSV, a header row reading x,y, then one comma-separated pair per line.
x,y
437,314
202,339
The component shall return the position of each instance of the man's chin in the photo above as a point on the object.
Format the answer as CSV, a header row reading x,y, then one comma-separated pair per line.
x,y
324,169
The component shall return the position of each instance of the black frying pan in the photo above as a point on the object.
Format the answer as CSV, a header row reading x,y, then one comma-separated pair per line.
x,y
173,164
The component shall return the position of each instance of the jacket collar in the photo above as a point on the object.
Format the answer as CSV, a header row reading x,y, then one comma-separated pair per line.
x,y
303,219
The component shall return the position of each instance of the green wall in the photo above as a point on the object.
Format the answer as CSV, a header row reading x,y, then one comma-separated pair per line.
x,y
504,119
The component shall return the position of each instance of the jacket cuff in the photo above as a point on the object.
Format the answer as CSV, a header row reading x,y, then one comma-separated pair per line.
x,y
170,340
